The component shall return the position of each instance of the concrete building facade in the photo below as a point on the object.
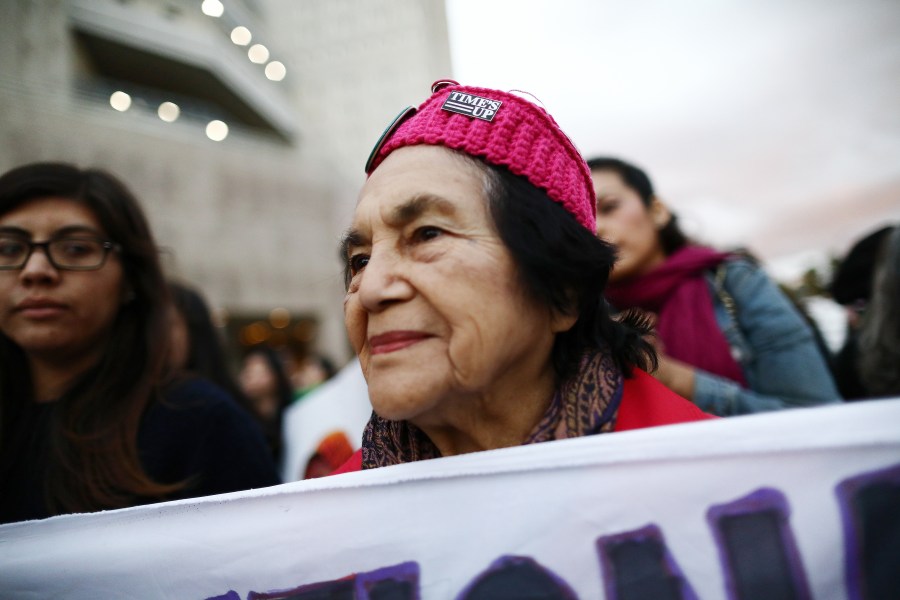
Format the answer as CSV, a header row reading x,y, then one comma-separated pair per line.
x,y
253,220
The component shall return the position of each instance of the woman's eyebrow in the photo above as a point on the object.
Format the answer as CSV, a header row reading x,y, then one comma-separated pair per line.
x,y
414,208
350,240
17,231
68,230
71,229
400,216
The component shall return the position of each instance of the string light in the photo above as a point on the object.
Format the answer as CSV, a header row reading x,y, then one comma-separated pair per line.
x,y
275,70
120,101
212,8
258,54
216,130
241,36
168,111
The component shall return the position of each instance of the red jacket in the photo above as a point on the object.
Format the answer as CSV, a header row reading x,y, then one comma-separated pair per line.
x,y
645,403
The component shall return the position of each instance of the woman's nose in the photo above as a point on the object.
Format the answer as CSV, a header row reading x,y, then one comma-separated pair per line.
x,y
38,267
384,282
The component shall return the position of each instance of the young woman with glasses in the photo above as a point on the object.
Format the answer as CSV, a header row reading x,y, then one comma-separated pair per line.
x,y
91,416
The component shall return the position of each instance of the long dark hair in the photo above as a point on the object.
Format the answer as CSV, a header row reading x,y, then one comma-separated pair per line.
x,y
671,238
565,267
92,455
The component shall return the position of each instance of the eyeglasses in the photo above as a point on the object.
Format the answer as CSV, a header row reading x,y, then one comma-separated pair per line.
x,y
66,253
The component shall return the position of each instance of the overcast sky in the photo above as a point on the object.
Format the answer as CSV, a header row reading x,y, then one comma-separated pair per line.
x,y
771,123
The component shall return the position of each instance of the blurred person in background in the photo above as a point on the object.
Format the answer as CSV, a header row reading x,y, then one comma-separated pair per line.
x,y
197,349
474,289
196,345
265,383
309,372
867,284
727,337
92,416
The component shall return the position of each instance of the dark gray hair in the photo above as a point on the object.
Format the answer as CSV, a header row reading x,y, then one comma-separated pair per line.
x,y
879,333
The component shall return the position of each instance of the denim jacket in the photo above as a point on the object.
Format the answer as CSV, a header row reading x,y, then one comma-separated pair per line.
x,y
775,347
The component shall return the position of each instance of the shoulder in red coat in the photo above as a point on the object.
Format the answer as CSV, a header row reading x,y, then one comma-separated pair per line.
x,y
648,403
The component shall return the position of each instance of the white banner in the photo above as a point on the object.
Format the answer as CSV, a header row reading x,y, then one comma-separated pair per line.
x,y
798,504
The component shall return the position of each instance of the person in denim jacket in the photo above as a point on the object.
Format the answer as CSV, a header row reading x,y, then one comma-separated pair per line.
x,y
728,338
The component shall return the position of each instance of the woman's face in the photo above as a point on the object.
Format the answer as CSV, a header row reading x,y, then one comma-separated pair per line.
x,y
434,308
257,379
53,313
625,221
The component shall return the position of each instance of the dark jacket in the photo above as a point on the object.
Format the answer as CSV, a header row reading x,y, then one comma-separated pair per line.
x,y
196,433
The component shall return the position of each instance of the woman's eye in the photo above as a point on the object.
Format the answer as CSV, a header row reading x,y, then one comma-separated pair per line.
x,y
76,247
12,247
607,207
357,263
427,233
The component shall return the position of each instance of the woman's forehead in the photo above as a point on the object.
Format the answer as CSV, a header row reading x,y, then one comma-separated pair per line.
x,y
417,180
605,179
49,213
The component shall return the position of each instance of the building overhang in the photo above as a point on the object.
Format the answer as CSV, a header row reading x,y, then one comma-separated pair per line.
x,y
126,43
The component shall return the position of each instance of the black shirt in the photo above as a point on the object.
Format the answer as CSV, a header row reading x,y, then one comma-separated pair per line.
x,y
196,433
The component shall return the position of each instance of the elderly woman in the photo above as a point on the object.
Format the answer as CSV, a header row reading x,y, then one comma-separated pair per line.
x,y
729,340
91,415
474,289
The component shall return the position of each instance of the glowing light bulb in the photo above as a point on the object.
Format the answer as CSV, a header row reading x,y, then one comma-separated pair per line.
x,y
258,54
120,101
279,318
168,111
275,71
241,36
212,8
216,130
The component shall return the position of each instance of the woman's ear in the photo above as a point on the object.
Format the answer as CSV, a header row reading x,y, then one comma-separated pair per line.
x,y
561,321
660,213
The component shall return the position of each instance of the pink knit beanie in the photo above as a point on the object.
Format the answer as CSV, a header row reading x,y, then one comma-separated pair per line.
x,y
502,129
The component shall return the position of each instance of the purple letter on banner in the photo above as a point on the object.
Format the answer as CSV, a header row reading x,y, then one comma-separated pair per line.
x,y
400,582
757,548
513,577
229,595
870,509
637,564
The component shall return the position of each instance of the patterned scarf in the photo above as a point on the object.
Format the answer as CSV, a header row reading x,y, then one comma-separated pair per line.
x,y
585,404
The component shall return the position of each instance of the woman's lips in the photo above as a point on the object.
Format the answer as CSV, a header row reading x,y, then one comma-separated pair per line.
x,y
395,340
40,309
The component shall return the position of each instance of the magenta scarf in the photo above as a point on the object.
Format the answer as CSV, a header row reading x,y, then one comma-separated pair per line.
x,y
678,293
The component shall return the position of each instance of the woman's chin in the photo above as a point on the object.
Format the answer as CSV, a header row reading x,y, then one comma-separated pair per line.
x,y
396,406
399,400
622,271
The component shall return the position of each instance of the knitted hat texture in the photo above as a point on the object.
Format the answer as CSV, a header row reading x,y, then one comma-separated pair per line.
x,y
520,136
